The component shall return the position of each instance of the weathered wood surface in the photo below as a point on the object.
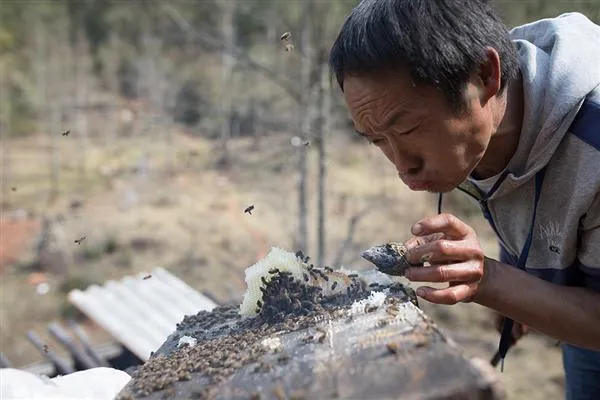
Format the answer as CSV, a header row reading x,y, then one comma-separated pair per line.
x,y
374,355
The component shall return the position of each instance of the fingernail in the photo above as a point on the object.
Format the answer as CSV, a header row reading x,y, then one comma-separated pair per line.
x,y
420,292
417,229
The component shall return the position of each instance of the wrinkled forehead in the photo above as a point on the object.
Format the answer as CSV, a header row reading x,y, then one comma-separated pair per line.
x,y
380,94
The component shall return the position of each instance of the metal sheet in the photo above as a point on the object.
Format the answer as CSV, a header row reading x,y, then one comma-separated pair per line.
x,y
141,313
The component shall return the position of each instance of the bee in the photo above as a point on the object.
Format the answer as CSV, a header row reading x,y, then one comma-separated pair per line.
x,y
273,271
289,47
46,348
147,277
66,133
14,189
307,143
279,393
283,358
328,269
393,348
381,323
334,285
255,396
248,210
81,239
285,36
370,308
305,277
259,303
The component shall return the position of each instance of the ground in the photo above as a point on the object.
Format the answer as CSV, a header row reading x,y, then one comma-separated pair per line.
x,y
143,203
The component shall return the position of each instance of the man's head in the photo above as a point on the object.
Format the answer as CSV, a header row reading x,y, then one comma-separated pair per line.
x,y
424,81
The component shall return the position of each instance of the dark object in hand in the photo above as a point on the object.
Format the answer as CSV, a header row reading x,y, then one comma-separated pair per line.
x,y
389,258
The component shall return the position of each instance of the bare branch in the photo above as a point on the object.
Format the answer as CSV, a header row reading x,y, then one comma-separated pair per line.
x,y
353,223
234,52
356,218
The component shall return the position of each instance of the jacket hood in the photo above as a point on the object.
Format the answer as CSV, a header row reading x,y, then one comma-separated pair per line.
x,y
560,65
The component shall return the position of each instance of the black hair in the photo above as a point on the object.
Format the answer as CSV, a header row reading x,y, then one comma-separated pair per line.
x,y
440,42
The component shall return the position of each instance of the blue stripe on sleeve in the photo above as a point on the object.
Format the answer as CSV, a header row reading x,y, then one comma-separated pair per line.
x,y
586,125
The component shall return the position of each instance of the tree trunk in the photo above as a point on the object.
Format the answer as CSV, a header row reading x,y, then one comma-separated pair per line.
x,y
5,172
46,68
322,129
228,10
305,126
81,73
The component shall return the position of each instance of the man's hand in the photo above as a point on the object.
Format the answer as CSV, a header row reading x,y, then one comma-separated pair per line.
x,y
452,249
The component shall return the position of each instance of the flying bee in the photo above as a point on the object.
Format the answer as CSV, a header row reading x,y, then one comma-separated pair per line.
x,y
46,348
14,189
285,36
81,239
289,47
66,133
393,348
147,277
248,210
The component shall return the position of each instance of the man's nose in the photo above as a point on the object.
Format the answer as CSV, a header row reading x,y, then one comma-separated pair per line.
x,y
406,163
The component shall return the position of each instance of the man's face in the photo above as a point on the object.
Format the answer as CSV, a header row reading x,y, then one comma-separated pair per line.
x,y
433,148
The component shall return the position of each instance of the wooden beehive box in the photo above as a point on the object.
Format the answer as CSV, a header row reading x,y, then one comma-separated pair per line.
x,y
354,349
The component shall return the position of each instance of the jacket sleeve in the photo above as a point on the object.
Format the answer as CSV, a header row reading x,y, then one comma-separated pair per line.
x,y
588,252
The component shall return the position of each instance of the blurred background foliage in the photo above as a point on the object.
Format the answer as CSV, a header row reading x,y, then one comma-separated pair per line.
x,y
116,35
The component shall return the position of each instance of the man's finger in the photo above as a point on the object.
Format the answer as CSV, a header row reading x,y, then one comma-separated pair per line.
x,y
448,224
462,272
443,252
421,240
449,296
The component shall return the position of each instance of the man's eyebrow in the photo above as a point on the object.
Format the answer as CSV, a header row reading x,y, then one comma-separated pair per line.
x,y
393,119
387,124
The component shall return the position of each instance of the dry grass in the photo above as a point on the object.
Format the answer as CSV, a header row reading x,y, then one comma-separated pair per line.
x,y
192,217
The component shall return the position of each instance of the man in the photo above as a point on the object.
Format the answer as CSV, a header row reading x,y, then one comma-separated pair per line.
x,y
455,100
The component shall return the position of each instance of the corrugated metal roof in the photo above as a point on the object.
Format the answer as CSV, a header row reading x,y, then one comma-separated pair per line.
x,y
141,313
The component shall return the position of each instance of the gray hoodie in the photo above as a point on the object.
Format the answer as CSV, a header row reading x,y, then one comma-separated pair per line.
x,y
559,147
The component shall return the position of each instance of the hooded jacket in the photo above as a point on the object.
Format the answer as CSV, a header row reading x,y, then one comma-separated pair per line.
x,y
555,171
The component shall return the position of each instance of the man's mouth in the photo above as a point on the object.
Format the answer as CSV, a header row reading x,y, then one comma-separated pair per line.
x,y
418,185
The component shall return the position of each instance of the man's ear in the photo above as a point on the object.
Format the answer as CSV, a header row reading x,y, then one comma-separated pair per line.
x,y
489,76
